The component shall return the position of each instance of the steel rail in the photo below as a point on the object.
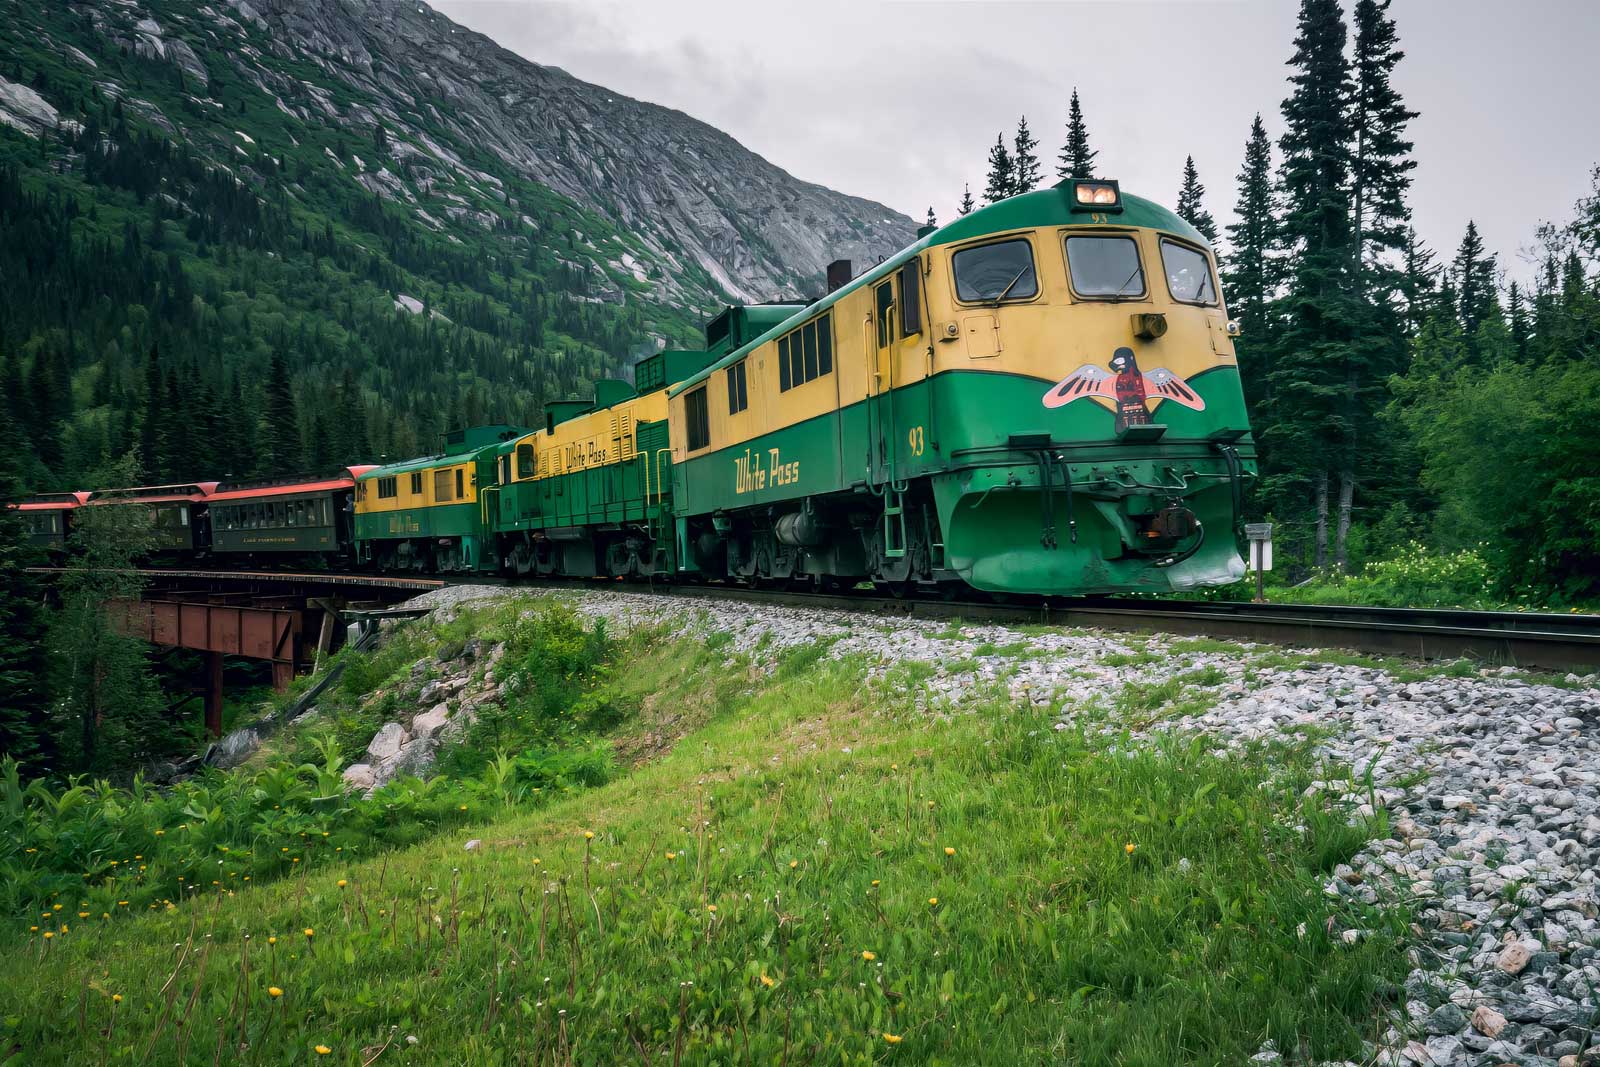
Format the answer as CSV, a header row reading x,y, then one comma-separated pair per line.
x,y
1544,640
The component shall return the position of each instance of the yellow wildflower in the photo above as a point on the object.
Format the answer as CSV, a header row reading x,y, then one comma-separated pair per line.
x,y
1129,847
766,981
893,1039
933,902
869,955
274,992
793,864
588,835
343,883
309,931
323,1050
116,998
948,851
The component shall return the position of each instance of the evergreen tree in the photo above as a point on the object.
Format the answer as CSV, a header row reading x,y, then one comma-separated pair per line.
x,y
932,220
354,444
1319,381
1472,273
1419,283
1519,323
1002,173
150,458
1191,209
281,433
966,199
1250,273
24,734
1077,158
1381,166
1025,174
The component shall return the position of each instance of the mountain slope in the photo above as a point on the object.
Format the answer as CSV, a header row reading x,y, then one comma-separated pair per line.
x,y
422,228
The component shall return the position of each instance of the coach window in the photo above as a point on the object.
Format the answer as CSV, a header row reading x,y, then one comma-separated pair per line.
x,y
1188,273
416,483
698,419
460,493
1105,268
995,272
738,393
526,464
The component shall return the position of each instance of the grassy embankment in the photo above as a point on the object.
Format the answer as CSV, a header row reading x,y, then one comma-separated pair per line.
x,y
815,873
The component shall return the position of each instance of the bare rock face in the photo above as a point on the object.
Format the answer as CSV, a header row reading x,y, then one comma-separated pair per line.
x,y
23,109
705,218
386,743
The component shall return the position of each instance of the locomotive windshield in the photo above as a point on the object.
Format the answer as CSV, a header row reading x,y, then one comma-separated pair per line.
x,y
1001,271
1188,274
1105,267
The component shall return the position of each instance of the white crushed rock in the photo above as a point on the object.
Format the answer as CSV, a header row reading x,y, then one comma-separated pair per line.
x,y
1492,786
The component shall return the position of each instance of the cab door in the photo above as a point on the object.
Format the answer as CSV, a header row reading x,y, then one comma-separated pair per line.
x,y
881,436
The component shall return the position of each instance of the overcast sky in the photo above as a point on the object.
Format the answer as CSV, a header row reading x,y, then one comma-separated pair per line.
x,y
900,101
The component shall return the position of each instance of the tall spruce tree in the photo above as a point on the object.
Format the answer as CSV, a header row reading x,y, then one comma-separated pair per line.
x,y
155,392
1419,283
1472,273
1517,309
932,219
1077,158
1381,167
24,733
1250,273
1002,173
281,434
1025,174
966,200
1318,382
1191,208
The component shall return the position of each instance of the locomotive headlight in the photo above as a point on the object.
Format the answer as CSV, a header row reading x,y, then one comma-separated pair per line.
x,y
1088,196
1233,328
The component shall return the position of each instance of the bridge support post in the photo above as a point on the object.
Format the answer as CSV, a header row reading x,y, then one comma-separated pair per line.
x,y
214,694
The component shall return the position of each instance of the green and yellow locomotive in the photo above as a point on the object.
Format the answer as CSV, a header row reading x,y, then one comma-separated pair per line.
x,y
1041,397
431,514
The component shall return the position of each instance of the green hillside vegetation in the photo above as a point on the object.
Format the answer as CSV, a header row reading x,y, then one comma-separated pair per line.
x,y
182,296
795,866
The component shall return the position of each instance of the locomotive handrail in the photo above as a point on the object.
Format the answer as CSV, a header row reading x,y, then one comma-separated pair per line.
x,y
660,492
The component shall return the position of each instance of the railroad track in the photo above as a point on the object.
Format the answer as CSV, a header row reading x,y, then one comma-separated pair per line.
x,y
1543,640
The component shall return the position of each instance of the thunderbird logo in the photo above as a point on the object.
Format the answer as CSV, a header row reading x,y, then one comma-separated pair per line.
x,y
1125,389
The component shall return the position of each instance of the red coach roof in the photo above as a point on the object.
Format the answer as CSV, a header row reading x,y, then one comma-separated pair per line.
x,y
283,490
67,502
154,494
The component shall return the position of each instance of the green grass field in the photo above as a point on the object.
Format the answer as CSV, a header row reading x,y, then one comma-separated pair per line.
x,y
814,874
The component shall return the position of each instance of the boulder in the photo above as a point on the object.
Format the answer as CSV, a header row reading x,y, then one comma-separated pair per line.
x,y
415,758
234,749
359,776
429,723
386,743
